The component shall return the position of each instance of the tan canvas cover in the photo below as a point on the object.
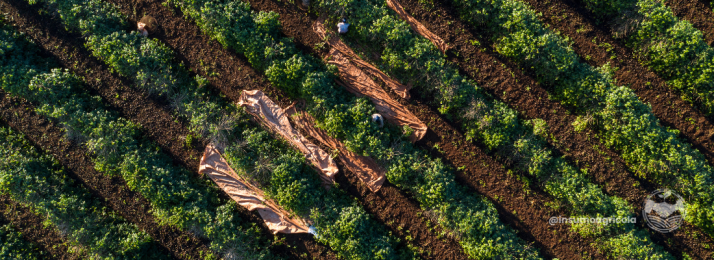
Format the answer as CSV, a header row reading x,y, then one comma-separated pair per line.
x,y
417,26
336,43
272,116
359,83
247,195
364,167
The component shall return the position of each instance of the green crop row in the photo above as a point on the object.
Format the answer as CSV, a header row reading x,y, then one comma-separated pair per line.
x,y
671,48
414,59
117,148
624,123
37,181
342,223
13,246
257,36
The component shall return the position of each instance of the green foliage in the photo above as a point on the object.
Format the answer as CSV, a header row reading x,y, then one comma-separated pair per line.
x,y
482,117
625,123
39,182
283,172
671,48
117,148
13,246
346,117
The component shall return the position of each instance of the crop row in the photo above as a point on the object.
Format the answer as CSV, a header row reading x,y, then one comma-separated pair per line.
x,y
13,246
281,171
624,123
411,58
673,49
39,182
342,115
117,148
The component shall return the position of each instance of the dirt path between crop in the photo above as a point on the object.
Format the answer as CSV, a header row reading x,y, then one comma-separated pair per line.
x,y
666,104
522,92
134,105
19,114
505,191
30,225
698,12
231,74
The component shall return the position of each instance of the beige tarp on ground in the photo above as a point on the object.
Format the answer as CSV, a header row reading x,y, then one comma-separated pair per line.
x,y
359,83
272,116
336,43
417,26
247,195
365,168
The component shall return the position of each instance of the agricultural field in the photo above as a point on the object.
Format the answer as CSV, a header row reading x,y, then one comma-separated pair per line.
x,y
451,129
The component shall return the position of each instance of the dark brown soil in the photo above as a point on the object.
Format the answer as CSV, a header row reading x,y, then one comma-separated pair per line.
x,y
113,192
698,12
30,225
666,104
506,191
130,103
230,73
522,92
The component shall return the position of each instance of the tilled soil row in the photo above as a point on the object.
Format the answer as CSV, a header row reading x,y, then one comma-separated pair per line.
x,y
697,12
30,225
19,114
523,93
134,105
231,74
518,207
666,104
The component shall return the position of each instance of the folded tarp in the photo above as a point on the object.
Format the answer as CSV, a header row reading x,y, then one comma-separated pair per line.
x,y
274,117
366,169
247,195
359,83
417,26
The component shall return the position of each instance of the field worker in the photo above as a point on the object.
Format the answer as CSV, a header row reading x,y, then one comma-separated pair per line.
x,y
377,119
146,25
342,26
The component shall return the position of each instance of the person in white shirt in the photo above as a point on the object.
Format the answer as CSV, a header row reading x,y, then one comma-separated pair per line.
x,y
342,26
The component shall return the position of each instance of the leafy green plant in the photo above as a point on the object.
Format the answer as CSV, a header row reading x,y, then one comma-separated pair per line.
x,y
620,117
13,246
37,181
281,171
117,148
256,35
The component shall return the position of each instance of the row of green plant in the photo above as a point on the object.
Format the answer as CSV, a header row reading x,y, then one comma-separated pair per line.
x,y
257,36
117,148
342,222
624,123
413,59
13,246
673,49
37,181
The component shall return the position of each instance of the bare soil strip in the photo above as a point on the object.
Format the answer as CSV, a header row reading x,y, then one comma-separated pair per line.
x,y
522,92
698,12
525,94
481,172
666,104
231,74
30,225
132,104
19,114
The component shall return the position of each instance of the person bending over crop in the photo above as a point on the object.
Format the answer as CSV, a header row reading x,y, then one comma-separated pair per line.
x,y
146,24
